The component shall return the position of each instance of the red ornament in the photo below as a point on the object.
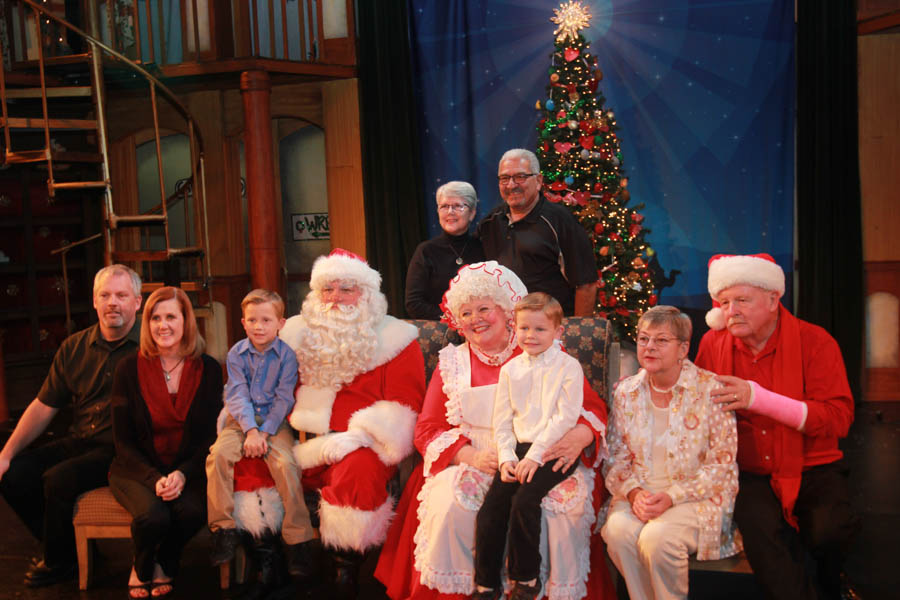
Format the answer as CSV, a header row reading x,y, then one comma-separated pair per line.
x,y
545,147
634,230
614,236
571,54
637,217
592,85
612,301
561,114
652,300
562,147
598,187
598,228
582,197
587,127
558,186
586,141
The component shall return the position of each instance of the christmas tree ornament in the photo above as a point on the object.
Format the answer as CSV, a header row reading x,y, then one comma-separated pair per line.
x,y
554,77
571,17
573,125
571,54
549,104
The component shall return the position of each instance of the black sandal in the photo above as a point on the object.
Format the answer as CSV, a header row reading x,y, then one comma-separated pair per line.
x,y
147,587
158,584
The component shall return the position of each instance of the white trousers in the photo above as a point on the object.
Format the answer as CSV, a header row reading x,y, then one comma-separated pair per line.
x,y
652,556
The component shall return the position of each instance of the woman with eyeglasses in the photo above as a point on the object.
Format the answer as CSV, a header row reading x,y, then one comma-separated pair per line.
x,y
672,471
437,260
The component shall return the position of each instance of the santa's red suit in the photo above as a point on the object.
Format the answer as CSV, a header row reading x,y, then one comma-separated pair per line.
x,y
363,430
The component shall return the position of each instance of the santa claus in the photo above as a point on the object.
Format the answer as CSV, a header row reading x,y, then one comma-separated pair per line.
x,y
362,380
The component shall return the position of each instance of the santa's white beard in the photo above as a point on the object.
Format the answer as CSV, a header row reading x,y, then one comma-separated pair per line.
x,y
337,343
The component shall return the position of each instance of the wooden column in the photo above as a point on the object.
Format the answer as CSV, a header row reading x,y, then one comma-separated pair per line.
x,y
265,264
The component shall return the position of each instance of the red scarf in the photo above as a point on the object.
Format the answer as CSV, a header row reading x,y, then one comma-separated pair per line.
x,y
787,379
166,417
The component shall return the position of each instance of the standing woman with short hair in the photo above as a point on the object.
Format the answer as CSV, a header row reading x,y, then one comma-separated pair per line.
x,y
165,400
436,261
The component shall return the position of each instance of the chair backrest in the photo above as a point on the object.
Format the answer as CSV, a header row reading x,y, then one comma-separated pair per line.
x,y
589,339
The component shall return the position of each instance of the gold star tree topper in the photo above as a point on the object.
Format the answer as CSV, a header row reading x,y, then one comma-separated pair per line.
x,y
571,17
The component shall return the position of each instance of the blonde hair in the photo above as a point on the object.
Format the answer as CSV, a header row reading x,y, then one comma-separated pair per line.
x,y
545,303
661,315
261,296
117,269
192,343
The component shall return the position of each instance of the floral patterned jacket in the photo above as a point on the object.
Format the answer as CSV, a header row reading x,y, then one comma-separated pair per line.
x,y
701,443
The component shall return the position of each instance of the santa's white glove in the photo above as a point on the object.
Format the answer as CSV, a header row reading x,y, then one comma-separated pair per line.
x,y
339,445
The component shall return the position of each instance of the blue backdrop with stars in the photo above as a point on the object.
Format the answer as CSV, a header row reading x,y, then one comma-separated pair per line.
x,y
703,92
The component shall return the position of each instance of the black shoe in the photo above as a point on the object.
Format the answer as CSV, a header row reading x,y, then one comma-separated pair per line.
x,y
346,574
523,591
225,542
267,555
40,575
486,595
303,560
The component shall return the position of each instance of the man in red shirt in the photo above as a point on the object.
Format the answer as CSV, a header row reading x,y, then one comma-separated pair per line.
x,y
786,380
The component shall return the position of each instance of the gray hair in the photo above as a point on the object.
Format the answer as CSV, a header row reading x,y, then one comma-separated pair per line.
x,y
663,315
523,154
458,189
118,270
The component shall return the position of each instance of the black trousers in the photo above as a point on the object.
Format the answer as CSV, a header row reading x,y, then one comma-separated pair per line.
x,y
43,483
160,529
514,507
792,564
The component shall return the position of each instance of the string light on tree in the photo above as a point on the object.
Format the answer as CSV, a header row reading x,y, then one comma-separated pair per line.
x,y
582,165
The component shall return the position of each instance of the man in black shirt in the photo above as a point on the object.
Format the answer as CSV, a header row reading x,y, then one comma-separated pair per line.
x,y
540,241
41,484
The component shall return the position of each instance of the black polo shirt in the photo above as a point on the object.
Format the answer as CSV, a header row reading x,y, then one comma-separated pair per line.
x,y
533,245
81,376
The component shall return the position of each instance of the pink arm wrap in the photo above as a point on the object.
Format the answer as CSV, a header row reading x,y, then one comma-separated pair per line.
x,y
781,408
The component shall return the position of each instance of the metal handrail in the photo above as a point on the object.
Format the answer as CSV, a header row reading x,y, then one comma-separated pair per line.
x,y
193,126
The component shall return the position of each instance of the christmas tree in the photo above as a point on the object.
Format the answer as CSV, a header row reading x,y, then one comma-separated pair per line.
x,y
583,169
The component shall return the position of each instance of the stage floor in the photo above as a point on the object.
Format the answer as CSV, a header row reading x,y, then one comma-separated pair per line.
x,y
872,451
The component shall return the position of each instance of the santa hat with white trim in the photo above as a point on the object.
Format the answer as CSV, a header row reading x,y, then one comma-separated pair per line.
x,y
726,270
343,265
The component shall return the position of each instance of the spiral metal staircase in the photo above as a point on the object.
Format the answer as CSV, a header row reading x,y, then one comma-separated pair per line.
x,y
48,97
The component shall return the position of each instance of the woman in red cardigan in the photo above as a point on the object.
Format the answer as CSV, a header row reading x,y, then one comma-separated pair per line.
x,y
164,405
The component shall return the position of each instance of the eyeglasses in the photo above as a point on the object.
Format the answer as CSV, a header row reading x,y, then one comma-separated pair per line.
x,y
519,178
451,208
660,342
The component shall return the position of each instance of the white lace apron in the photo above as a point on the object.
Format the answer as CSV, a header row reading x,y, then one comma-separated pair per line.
x,y
450,499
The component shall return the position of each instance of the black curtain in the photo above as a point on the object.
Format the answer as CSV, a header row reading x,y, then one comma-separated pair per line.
x,y
828,198
395,213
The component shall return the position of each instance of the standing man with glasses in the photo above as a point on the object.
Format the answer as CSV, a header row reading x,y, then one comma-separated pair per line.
x,y
540,241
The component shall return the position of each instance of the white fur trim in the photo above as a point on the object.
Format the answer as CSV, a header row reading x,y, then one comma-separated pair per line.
x,y
394,336
391,426
309,453
727,271
345,268
715,318
312,409
345,527
258,511
290,333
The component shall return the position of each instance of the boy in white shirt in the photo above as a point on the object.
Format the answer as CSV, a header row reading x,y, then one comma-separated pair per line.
x,y
539,398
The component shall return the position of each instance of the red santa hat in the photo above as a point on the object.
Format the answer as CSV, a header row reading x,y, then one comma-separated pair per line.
x,y
726,270
343,265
